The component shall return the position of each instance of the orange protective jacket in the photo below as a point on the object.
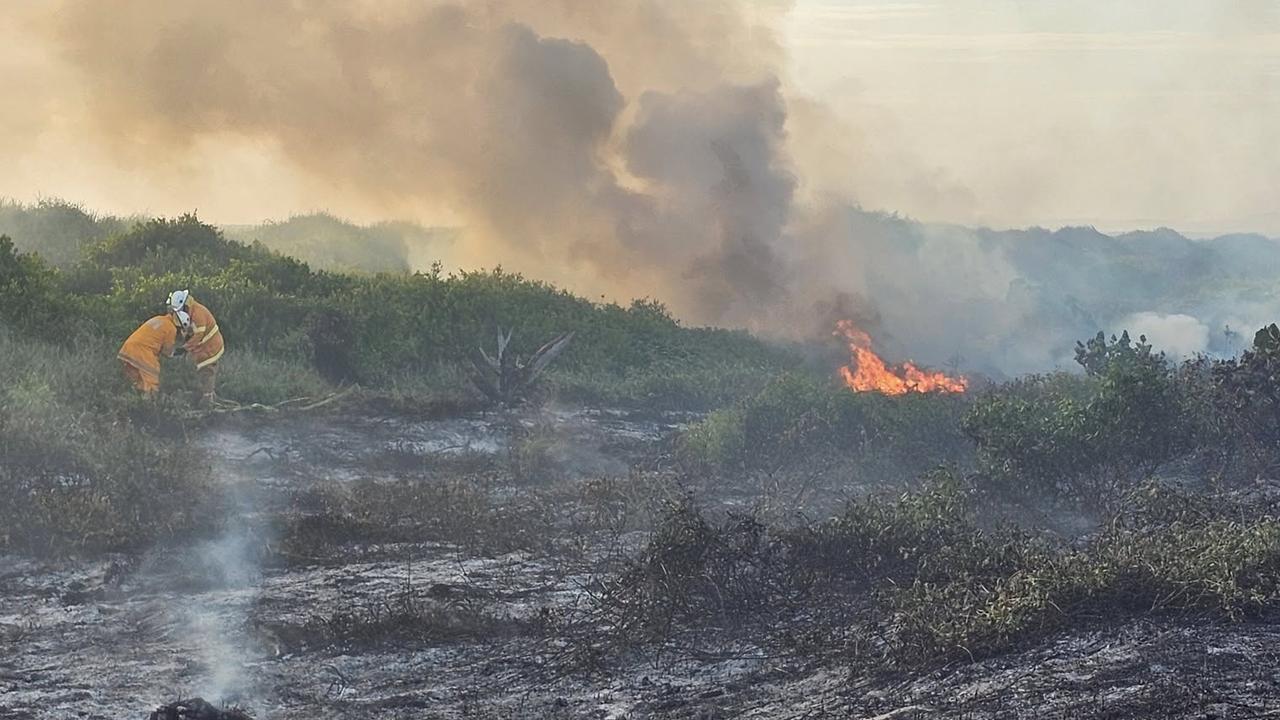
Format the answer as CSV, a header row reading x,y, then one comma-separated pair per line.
x,y
143,348
205,345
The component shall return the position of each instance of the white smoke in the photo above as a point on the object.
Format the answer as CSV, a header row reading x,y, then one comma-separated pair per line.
x,y
216,619
1179,336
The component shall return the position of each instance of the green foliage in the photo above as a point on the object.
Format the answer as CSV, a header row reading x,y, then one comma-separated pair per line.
x,y
1242,403
932,586
375,329
329,243
29,299
162,246
1093,438
1086,438
1097,356
54,229
899,538
1161,556
797,417
78,441
378,329
698,383
249,376
1266,342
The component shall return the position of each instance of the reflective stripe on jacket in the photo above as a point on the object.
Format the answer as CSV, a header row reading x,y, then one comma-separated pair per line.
x,y
205,345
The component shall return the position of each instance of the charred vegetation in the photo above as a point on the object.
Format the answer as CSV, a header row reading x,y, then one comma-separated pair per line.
x,y
658,502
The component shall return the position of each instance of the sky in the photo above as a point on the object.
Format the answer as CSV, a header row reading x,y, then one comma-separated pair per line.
x,y
1002,113
1115,114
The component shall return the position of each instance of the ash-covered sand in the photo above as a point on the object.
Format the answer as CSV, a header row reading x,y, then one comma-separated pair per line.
x,y
244,618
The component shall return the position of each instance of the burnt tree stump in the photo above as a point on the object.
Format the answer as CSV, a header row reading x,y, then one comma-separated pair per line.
x,y
505,378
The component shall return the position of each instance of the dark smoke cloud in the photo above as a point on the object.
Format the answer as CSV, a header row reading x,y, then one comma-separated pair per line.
x,y
717,162
628,148
512,114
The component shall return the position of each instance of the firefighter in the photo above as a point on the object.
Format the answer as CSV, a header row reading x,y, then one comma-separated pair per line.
x,y
205,344
141,352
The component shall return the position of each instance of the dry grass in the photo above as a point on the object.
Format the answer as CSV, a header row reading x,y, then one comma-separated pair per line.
x,y
87,466
404,620
914,581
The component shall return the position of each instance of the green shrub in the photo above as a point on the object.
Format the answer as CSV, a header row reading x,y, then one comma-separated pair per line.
x,y
1093,438
249,376
953,591
329,243
441,389
162,246
1238,407
378,329
1200,564
698,384
1097,356
931,586
897,538
29,298
56,230
1087,438
796,418
718,441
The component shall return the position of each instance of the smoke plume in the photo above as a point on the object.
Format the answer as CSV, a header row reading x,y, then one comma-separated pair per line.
x,y
631,149
1180,336
635,148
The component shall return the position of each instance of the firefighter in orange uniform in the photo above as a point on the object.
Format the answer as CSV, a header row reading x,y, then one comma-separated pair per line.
x,y
205,344
141,352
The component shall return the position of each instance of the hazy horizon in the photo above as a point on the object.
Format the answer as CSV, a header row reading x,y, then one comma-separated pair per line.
x,y
705,153
1001,114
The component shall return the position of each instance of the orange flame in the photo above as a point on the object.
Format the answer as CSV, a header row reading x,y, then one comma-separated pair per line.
x,y
868,372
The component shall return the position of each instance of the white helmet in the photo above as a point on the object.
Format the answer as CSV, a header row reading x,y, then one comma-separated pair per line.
x,y
178,299
184,320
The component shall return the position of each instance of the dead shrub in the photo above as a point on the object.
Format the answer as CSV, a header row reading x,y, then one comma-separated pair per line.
x,y
693,570
406,619
472,512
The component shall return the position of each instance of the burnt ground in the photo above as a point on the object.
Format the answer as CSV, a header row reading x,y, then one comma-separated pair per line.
x,y
324,597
